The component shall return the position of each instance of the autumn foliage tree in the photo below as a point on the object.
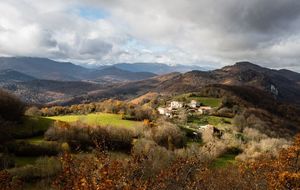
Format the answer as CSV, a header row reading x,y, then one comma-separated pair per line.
x,y
275,173
268,172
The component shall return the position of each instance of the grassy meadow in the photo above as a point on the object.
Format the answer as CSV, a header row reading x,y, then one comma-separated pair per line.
x,y
33,129
212,120
206,101
103,119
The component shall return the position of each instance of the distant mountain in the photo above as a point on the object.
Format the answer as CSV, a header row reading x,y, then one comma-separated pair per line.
x,y
43,68
14,76
46,69
48,91
114,73
157,68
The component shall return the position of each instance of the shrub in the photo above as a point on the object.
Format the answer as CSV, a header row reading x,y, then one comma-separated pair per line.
x,y
82,136
239,123
8,182
26,149
253,134
6,161
227,102
225,112
33,111
156,157
45,167
255,149
130,110
11,108
5,130
183,173
167,135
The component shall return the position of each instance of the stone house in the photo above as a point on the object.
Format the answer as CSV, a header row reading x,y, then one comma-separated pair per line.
x,y
164,111
176,105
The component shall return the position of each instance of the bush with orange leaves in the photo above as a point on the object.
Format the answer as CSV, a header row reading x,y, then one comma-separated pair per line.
x,y
275,173
101,172
8,182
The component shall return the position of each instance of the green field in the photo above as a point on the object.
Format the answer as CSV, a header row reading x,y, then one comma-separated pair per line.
x,y
212,120
224,160
207,101
103,119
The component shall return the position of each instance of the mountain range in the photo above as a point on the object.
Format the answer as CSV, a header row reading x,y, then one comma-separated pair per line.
x,y
43,68
280,84
44,81
158,68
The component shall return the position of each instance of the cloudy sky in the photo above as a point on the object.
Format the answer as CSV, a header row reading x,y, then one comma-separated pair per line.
x,y
202,32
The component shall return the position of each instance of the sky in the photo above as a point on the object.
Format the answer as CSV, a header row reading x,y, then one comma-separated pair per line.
x,y
194,32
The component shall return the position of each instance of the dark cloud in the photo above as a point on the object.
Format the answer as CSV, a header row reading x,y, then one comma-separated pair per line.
x,y
268,15
95,47
216,32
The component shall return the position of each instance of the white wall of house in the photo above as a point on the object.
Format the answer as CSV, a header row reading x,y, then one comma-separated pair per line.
x,y
161,111
194,104
176,105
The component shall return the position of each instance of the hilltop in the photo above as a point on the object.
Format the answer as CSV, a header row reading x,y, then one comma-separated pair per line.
x,y
276,83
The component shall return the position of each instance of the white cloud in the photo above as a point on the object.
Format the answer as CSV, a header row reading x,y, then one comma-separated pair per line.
x,y
174,31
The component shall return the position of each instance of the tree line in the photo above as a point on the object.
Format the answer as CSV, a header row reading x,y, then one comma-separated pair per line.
x,y
128,110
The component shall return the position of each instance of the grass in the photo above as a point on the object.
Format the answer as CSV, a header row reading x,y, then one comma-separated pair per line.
x,y
37,123
23,161
37,140
103,119
207,101
224,160
213,120
32,126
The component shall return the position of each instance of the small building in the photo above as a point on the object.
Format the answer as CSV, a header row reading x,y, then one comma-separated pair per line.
x,y
161,111
204,110
169,114
164,111
194,104
176,105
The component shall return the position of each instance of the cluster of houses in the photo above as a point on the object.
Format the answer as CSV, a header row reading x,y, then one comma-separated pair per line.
x,y
192,107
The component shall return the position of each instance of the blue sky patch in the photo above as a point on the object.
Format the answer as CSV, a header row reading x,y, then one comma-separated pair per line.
x,y
92,13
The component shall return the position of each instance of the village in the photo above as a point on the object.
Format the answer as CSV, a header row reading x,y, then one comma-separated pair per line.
x,y
194,107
